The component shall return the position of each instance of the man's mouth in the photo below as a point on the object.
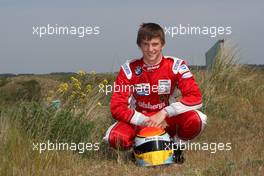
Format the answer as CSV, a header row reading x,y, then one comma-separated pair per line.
x,y
151,55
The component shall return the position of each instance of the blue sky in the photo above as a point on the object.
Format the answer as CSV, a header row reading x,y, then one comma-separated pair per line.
x,y
23,52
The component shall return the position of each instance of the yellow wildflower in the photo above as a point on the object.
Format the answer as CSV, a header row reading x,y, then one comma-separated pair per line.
x,y
99,103
101,85
72,96
77,85
83,95
63,87
88,88
75,80
105,82
49,99
81,73
50,95
50,92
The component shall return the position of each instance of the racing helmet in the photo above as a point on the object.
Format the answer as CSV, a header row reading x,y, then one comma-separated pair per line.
x,y
153,147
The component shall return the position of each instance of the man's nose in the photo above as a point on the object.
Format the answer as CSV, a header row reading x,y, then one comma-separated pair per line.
x,y
150,48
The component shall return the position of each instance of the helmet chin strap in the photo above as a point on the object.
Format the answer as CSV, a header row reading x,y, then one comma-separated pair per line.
x,y
178,141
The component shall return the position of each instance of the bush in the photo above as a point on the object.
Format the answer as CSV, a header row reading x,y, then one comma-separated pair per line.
x,y
20,91
48,124
29,90
4,81
227,84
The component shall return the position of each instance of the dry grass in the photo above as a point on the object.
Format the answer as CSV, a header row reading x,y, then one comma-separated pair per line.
x,y
234,101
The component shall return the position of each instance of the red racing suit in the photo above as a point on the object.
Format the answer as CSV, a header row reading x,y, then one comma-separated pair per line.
x,y
140,90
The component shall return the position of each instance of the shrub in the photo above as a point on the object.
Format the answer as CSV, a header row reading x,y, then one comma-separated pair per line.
x,y
29,90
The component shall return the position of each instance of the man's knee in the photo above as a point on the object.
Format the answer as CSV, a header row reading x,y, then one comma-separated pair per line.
x,y
120,135
193,125
203,119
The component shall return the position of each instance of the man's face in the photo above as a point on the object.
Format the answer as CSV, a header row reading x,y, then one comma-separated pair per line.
x,y
151,49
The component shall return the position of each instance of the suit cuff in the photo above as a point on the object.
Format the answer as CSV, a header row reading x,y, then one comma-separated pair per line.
x,y
179,108
138,118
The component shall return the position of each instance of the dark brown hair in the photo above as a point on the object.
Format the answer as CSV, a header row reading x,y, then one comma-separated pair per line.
x,y
148,31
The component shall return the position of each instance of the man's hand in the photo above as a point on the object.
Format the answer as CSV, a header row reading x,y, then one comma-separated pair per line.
x,y
157,120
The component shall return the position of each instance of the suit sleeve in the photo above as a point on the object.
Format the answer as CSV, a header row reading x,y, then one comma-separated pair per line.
x,y
191,95
121,101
